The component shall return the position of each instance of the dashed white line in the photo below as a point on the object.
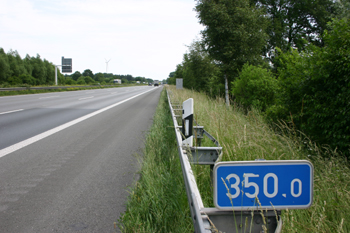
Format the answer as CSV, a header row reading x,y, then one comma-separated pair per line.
x,y
85,98
18,110
49,97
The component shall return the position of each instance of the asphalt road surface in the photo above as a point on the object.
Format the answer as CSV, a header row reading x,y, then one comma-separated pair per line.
x,y
67,159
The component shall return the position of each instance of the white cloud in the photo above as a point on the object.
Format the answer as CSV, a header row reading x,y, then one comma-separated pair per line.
x,y
142,37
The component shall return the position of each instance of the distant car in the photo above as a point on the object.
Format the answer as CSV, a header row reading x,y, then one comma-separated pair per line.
x,y
150,84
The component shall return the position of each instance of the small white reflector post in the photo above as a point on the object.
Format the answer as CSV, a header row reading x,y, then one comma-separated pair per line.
x,y
187,122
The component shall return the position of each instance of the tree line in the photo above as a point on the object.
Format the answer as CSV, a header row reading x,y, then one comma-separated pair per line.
x,y
30,71
34,71
288,58
87,76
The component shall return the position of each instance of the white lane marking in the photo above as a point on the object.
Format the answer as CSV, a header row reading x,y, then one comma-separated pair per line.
x,y
85,98
18,110
43,135
49,97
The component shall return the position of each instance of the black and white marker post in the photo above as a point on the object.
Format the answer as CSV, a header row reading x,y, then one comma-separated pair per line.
x,y
187,123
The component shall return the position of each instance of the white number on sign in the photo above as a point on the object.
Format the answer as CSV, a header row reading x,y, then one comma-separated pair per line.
x,y
248,184
234,186
275,185
292,188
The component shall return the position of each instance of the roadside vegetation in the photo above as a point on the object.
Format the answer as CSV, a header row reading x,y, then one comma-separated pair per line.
x,y
288,59
35,71
158,202
245,136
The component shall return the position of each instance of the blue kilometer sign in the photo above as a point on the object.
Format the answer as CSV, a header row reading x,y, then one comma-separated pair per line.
x,y
247,185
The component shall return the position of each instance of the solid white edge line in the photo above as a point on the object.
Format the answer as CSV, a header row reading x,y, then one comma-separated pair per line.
x,y
18,110
43,135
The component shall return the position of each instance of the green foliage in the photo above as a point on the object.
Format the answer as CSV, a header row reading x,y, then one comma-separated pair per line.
x,y
343,9
81,80
246,137
234,32
4,67
89,73
99,77
27,79
76,75
291,22
256,87
14,80
70,81
158,202
31,70
198,71
315,88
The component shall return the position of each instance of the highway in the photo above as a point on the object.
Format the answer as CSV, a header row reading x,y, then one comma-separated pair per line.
x,y
67,159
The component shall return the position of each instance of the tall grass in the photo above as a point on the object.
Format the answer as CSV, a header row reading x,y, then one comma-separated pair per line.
x,y
246,136
158,201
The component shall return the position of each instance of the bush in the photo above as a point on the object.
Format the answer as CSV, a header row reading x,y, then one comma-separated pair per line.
x,y
315,88
14,80
256,87
27,79
70,81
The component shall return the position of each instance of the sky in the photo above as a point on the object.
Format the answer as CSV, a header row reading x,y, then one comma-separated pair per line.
x,y
144,38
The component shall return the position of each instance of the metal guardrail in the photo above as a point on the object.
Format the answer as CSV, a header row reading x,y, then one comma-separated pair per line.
x,y
206,220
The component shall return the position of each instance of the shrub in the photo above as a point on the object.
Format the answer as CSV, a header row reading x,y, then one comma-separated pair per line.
x,y
256,87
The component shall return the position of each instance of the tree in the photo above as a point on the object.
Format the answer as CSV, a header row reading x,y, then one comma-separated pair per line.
x,y
27,79
70,81
99,77
81,80
198,70
50,72
293,23
343,9
171,79
76,75
89,73
16,63
4,67
39,71
234,34
315,88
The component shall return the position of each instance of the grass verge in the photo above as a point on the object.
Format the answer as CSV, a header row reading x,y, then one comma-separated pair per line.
x,y
249,137
158,201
